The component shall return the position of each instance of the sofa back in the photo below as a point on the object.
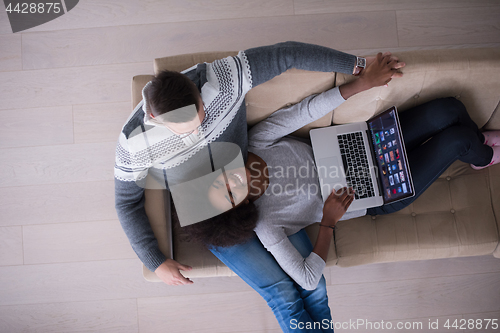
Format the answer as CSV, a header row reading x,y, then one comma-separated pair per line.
x,y
285,89
471,75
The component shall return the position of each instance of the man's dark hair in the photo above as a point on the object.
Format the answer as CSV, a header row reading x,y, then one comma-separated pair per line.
x,y
169,91
232,227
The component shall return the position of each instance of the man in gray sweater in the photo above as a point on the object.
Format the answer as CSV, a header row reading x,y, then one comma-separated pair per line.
x,y
150,141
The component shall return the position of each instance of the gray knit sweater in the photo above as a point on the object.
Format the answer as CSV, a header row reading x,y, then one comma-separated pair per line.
x,y
223,85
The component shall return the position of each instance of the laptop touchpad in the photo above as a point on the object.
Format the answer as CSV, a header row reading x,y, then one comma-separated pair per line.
x,y
330,170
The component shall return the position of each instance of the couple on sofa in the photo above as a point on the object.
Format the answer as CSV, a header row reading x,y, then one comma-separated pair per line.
x,y
280,262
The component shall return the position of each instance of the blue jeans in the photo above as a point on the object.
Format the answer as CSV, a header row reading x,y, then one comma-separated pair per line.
x,y
451,135
292,305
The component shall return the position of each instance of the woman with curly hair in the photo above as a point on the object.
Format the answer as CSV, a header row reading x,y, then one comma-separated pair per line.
x,y
271,195
281,263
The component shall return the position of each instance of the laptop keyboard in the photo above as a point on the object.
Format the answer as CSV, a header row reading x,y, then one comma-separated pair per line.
x,y
356,167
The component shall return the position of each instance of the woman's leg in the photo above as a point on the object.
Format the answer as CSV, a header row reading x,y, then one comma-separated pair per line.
x,y
424,121
452,136
430,160
258,268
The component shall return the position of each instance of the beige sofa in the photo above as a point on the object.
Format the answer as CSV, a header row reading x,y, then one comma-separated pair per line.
x,y
459,215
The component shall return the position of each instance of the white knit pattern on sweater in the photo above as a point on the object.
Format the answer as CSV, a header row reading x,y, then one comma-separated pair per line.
x,y
152,144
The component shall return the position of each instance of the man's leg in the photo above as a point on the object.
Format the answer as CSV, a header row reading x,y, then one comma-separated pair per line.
x,y
430,160
258,268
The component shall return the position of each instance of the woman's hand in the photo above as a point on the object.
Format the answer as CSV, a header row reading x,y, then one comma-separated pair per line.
x,y
381,69
336,205
379,72
399,65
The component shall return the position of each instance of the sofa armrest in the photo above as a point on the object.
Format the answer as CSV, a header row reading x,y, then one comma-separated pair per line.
x,y
494,178
181,62
156,204
494,122
174,244
138,82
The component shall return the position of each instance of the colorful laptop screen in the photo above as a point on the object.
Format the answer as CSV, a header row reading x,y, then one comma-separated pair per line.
x,y
389,152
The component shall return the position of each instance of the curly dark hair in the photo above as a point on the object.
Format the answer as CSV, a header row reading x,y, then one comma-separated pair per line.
x,y
169,91
232,227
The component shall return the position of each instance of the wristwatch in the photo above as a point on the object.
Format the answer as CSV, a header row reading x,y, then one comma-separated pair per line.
x,y
360,65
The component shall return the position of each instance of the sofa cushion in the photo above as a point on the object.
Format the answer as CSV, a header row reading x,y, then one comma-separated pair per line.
x,y
286,89
428,228
453,217
494,122
204,263
196,255
470,75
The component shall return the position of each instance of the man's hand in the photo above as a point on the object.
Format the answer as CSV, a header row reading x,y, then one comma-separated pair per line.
x,y
336,205
169,272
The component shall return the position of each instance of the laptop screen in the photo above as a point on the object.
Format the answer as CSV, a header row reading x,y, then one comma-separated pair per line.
x,y
389,150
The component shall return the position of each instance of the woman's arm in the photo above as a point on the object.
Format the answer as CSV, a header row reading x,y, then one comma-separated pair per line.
x,y
307,271
287,120
335,207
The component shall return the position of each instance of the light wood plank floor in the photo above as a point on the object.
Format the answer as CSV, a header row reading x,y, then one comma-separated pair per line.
x,y
65,264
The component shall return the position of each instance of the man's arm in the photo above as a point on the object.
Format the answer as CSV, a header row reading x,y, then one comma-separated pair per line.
x,y
129,204
267,62
287,120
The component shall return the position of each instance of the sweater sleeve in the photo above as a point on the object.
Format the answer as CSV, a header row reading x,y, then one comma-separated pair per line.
x,y
267,62
287,120
304,271
129,203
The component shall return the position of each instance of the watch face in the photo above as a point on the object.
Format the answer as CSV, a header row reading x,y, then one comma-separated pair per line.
x,y
361,62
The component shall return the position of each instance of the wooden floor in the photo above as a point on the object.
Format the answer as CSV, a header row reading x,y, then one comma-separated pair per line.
x,y
65,263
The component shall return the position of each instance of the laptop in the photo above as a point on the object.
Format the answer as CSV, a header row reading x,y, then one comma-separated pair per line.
x,y
368,156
